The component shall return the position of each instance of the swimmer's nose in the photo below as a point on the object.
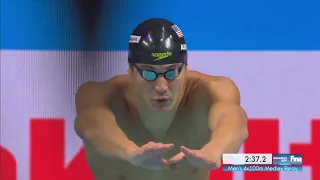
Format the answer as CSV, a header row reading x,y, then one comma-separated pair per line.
x,y
161,85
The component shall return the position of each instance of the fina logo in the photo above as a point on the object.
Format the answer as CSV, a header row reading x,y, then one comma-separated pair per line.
x,y
296,160
183,47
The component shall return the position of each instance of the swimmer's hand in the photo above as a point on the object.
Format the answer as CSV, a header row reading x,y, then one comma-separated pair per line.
x,y
204,157
149,156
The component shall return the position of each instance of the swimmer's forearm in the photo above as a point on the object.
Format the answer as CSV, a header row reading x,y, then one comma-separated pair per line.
x,y
116,151
111,149
230,133
99,128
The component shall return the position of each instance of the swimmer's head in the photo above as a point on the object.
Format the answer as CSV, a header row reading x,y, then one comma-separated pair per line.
x,y
157,59
157,41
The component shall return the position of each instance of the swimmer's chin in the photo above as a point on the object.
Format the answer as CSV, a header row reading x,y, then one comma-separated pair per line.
x,y
162,109
161,105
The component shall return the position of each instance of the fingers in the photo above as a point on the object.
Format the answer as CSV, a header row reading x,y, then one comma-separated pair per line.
x,y
158,148
198,158
186,151
190,154
177,158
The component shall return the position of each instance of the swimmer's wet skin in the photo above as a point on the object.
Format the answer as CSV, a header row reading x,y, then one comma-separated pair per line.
x,y
161,120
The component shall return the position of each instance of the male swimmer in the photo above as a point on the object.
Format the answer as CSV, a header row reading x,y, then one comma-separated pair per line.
x,y
160,121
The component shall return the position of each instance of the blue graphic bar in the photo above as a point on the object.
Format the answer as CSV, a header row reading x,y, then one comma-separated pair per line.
x,y
262,168
209,25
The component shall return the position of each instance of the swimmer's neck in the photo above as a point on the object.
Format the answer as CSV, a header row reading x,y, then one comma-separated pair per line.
x,y
147,114
156,122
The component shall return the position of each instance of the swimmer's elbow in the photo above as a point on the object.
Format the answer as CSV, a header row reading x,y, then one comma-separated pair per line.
x,y
84,122
93,120
78,126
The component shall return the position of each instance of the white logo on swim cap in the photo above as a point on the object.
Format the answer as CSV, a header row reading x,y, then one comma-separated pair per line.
x,y
134,39
183,47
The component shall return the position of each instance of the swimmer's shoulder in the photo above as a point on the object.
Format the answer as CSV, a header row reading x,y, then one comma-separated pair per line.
x,y
207,89
104,93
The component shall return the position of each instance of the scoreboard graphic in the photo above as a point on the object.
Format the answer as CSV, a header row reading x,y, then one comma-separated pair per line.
x,y
262,162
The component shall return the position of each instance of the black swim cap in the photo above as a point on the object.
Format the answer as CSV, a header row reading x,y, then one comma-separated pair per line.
x,y
157,41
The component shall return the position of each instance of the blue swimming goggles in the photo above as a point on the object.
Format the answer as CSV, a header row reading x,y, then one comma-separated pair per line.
x,y
150,75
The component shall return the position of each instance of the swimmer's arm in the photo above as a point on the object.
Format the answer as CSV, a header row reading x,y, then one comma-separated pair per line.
x,y
227,119
96,125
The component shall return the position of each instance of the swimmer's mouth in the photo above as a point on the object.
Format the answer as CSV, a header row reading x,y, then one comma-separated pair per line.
x,y
164,99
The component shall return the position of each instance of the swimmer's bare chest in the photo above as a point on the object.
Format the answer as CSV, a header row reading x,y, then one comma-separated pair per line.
x,y
190,130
